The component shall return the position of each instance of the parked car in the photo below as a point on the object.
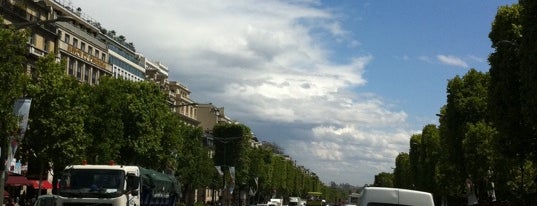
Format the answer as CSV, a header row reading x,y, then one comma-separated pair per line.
x,y
45,200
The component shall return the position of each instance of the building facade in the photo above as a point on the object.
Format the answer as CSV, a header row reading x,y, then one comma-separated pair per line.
x,y
42,37
80,44
123,59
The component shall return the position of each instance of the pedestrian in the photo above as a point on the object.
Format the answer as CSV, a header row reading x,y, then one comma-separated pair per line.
x,y
22,201
10,202
32,201
470,191
491,193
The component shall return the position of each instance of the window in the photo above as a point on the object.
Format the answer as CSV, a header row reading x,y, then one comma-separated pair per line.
x,y
94,76
71,66
31,39
75,42
31,17
67,38
82,46
103,56
46,45
96,52
86,74
90,50
79,70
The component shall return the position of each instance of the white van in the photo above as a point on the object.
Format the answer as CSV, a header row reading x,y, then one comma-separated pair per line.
x,y
384,196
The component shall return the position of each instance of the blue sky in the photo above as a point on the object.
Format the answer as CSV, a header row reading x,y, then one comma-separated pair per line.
x,y
340,85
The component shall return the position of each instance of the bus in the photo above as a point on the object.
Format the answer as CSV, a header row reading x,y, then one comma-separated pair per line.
x,y
354,199
314,199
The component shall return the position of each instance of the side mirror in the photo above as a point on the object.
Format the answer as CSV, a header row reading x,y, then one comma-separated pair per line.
x,y
134,192
133,183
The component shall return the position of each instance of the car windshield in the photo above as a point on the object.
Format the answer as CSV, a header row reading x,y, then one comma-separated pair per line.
x,y
92,181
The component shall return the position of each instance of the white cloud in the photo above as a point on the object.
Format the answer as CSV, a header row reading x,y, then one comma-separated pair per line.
x,y
452,60
425,59
477,59
261,62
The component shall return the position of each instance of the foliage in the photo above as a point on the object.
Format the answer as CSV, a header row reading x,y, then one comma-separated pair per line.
x,y
13,79
261,159
130,122
504,91
383,179
414,159
430,153
232,143
56,123
104,123
402,174
512,95
528,61
195,168
466,104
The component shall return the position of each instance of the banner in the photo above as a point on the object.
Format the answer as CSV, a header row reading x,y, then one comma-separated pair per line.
x,y
219,169
21,109
232,179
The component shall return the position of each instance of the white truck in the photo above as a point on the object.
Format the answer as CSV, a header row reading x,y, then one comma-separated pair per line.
x,y
394,196
275,202
295,201
114,185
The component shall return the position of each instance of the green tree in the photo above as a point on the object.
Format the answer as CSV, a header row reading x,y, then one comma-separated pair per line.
x,y
232,143
144,115
430,153
12,84
402,175
259,169
12,74
466,104
504,90
480,154
414,161
195,167
528,62
511,93
105,120
232,149
423,158
56,123
174,141
384,179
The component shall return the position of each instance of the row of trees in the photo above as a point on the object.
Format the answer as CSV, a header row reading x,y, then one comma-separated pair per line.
x,y
488,128
131,123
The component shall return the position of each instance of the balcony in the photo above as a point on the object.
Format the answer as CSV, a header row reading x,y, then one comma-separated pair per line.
x,y
36,52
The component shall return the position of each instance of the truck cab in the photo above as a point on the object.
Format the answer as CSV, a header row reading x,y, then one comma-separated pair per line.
x,y
115,185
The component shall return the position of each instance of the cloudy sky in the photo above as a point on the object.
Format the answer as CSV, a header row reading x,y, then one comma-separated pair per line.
x,y
340,85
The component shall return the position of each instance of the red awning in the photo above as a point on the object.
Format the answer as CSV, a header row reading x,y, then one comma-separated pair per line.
x,y
45,184
13,180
